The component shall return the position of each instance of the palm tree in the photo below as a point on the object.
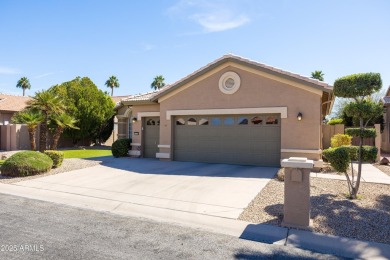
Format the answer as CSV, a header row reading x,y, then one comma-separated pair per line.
x,y
62,121
158,82
31,118
317,74
48,104
23,83
112,83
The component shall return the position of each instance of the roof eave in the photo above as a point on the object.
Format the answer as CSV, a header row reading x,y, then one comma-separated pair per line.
x,y
223,60
138,102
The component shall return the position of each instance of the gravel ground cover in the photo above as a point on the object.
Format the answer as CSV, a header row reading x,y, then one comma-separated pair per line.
x,y
67,165
367,218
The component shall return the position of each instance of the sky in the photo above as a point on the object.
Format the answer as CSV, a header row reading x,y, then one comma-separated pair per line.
x,y
51,42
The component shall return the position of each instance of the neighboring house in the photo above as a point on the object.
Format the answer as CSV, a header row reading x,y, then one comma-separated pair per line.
x,y
12,137
233,110
385,145
9,105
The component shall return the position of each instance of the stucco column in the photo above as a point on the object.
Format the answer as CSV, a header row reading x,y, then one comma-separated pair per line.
x,y
297,192
378,141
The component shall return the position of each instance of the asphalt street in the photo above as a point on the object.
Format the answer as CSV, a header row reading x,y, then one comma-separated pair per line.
x,y
31,229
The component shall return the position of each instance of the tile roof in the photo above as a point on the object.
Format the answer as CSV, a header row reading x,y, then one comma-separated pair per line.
x,y
143,96
117,99
12,102
154,95
386,100
233,57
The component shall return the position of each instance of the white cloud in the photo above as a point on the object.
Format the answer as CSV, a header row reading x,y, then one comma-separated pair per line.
x,y
212,16
7,70
148,47
44,75
218,23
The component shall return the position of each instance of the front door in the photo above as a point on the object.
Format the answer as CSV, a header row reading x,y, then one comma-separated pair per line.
x,y
151,136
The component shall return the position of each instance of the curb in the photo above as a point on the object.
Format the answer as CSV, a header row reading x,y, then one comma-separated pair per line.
x,y
270,234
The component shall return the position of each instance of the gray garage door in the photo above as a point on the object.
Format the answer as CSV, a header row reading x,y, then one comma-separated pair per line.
x,y
152,135
238,139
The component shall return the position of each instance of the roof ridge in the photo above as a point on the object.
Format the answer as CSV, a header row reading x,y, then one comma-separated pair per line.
x,y
13,95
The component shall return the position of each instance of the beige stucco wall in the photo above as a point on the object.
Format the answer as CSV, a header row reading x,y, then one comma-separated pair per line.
x,y
255,92
5,117
386,135
137,126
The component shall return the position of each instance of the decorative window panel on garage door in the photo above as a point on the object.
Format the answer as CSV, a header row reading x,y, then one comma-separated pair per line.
x,y
234,139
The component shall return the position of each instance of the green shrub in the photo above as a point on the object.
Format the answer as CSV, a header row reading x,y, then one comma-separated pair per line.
x,y
368,153
340,140
56,156
335,121
338,157
121,147
366,133
26,163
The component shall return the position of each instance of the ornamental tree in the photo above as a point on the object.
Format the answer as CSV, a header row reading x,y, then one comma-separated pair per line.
x,y
88,105
359,88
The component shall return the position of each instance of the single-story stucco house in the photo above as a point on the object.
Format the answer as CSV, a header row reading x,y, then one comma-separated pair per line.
x,y
233,110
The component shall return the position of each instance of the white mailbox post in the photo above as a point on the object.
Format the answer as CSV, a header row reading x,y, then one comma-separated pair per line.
x,y
297,192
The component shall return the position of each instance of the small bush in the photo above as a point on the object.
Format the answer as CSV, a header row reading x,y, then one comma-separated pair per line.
x,y
368,153
338,157
56,156
280,175
366,133
335,121
340,140
26,163
121,147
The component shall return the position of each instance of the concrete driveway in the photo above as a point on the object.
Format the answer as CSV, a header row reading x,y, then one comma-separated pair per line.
x,y
209,189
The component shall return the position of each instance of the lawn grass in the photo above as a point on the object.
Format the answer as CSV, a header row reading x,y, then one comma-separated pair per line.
x,y
90,153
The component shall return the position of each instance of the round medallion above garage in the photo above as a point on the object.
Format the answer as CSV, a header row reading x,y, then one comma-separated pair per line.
x,y
229,82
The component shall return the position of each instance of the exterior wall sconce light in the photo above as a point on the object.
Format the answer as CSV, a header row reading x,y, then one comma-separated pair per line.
x,y
134,120
299,117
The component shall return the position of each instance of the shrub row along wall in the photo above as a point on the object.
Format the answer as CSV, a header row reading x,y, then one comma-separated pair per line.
x,y
330,130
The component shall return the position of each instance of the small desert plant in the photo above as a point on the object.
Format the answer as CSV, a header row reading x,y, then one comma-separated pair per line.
x,y
340,140
335,121
280,175
56,156
26,163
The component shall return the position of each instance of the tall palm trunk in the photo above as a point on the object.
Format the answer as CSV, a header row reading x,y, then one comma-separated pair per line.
x,y
43,133
56,137
31,134
24,91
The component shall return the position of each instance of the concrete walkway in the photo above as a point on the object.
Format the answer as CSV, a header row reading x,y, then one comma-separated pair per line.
x,y
370,174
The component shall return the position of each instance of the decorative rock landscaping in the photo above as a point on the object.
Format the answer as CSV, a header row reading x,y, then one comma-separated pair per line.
x,y
367,218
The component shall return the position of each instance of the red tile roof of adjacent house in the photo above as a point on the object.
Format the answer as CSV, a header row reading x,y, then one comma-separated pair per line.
x,y
12,102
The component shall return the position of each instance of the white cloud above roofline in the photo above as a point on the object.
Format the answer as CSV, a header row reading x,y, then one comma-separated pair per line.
x,y
8,70
215,16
